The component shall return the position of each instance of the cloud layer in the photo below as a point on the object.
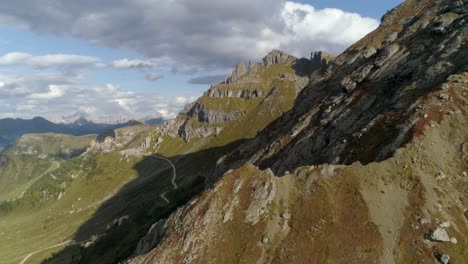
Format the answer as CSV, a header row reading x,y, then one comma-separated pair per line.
x,y
50,60
45,94
133,64
193,34
72,61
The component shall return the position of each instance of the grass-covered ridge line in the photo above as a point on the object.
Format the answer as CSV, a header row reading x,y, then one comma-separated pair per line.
x,y
34,155
54,145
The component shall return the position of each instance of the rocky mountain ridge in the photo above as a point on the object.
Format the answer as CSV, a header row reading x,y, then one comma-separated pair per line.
x,y
220,106
228,101
374,88
368,167
104,120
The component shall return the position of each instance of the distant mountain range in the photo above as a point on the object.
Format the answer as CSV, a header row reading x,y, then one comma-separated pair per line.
x,y
12,129
109,120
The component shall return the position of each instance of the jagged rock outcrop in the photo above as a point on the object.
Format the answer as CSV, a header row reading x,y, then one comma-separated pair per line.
x,y
302,66
219,92
278,57
120,139
152,238
318,60
228,102
187,132
237,73
203,114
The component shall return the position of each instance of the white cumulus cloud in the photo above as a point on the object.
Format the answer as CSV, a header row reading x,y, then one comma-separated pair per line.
x,y
325,29
132,64
72,61
49,60
53,92
203,34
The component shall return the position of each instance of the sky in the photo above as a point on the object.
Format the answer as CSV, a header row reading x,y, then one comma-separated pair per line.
x,y
149,58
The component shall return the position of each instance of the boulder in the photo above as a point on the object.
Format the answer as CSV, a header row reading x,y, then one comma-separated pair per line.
x,y
444,259
424,221
445,224
286,216
440,235
440,176
453,240
348,85
264,193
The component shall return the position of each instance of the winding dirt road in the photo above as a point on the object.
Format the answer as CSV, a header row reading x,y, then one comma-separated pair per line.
x,y
174,176
68,243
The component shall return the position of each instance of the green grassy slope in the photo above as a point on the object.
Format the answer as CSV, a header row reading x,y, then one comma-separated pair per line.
x,y
34,155
53,208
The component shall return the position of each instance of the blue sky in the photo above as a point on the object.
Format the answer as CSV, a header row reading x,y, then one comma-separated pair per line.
x,y
369,8
65,57
17,39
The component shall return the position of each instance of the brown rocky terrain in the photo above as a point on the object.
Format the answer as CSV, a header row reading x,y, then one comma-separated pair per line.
x,y
382,212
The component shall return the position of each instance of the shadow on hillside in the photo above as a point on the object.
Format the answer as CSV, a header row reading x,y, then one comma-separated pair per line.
x,y
120,222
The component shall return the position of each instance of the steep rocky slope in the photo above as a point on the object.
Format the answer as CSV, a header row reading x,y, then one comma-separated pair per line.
x,y
384,212
366,103
370,166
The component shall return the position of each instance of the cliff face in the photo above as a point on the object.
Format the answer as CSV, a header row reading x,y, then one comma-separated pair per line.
x,y
218,92
237,73
370,166
244,90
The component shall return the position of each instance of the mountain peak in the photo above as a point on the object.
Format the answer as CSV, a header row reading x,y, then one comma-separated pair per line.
x,y
40,119
278,57
237,73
